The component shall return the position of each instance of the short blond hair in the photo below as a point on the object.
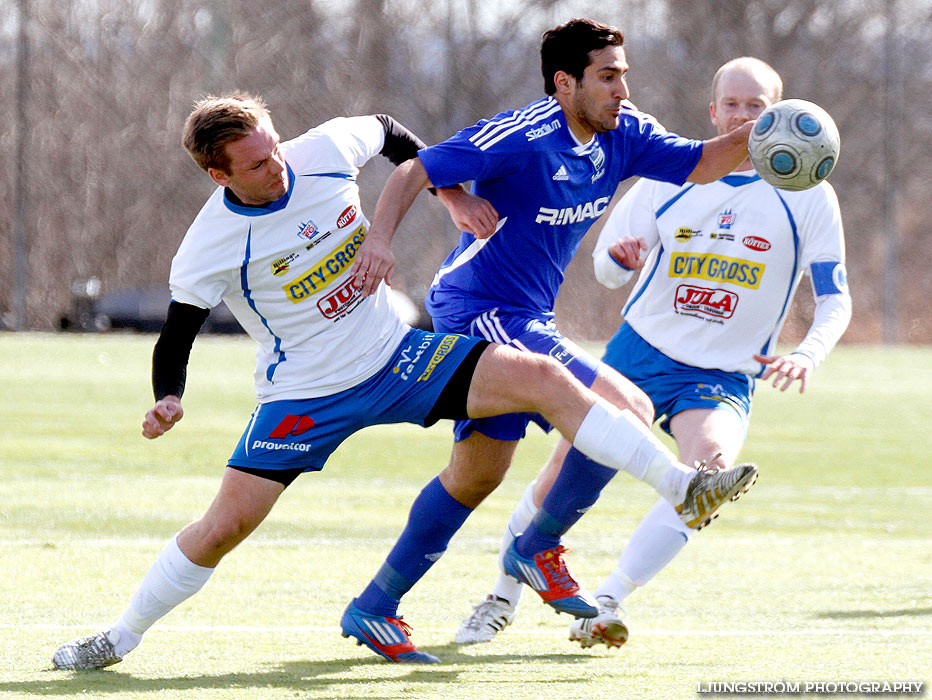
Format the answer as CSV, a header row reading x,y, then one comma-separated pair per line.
x,y
217,121
752,66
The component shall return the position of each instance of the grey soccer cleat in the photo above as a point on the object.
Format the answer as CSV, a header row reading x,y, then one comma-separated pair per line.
x,y
488,618
710,489
608,627
85,653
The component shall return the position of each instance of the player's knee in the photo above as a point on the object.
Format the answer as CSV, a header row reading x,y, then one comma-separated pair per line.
x,y
546,374
221,534
641,406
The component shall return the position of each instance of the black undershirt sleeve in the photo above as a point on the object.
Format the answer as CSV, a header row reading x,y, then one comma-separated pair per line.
x,y
173,348
401,143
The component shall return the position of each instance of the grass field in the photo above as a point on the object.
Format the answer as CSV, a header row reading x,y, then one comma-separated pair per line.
x,y
822,572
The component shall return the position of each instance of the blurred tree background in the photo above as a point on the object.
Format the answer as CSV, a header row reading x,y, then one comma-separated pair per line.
x,y
95,183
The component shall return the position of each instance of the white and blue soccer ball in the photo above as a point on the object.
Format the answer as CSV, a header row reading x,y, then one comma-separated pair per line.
x,y
794,145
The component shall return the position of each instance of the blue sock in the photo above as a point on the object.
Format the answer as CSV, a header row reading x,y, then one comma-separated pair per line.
x,y
434,518
575,489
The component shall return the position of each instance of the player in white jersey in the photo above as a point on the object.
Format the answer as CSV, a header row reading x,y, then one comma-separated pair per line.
x,y
723,261
276,242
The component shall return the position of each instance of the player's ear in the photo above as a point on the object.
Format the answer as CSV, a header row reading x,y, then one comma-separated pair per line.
x,y
218,176
564,82
712,114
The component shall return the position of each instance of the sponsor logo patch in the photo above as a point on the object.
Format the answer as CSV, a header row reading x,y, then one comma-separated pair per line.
x,y
717,268
719,303
561,174
411,355
722,236
320,239
308,229
572,215
543,130
756,243
726,219
293,446
329,269
442,351
598,162
292,426
684,233
280,266
336,304
565,352
346,218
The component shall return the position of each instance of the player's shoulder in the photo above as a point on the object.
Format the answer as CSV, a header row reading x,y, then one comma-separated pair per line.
x,y
215,220
822,195
532,127
632,117
322,135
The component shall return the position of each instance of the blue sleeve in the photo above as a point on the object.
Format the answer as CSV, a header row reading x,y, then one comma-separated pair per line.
x,y
458,160
659,154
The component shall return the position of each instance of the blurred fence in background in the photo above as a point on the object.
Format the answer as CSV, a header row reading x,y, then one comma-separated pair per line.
x,y
95,184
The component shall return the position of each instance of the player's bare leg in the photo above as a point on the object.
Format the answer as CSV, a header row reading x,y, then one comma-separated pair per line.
x,y
181,570
477,466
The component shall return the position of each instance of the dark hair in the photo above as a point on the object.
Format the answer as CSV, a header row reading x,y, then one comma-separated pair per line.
x,y
215,122
568,46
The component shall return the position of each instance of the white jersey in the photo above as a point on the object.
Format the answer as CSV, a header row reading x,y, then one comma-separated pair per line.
x,y
283,270
724,260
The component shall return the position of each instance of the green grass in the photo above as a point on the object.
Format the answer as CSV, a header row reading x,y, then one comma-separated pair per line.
x,y
822,572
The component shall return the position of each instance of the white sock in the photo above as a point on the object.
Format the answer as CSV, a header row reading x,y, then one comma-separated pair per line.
x,y
506,587
656,540
171,580
617,439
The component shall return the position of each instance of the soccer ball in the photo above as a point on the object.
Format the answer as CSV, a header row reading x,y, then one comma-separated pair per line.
x,y
794,145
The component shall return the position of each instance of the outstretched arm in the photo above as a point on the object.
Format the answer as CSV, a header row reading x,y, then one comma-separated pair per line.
x,y
721,155
374,260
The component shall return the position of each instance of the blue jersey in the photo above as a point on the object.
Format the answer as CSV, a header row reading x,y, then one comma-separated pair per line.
x,y
548,189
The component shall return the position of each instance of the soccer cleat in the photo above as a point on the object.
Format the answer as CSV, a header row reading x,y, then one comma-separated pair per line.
x,y
85,653
386,636
546,573
710,489
606,628
488,618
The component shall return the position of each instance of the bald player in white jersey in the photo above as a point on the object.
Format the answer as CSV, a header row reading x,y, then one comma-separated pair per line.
x,y
720,264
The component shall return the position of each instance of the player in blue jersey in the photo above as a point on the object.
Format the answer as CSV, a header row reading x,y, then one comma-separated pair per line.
x,y
543,174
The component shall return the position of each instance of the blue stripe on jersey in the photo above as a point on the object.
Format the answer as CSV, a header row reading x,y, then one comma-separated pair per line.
x,y
244,283
789,215
644,286
672,201
270,208
739,180
341,176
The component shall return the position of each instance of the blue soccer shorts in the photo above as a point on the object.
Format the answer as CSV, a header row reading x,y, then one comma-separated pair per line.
x,y
301,434
528,333
673,386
